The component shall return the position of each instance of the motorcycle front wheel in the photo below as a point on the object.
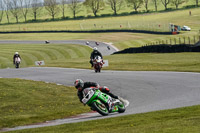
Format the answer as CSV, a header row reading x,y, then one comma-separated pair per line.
x,y
100,108
121,108
17,65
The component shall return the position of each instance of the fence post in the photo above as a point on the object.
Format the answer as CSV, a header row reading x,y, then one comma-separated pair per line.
x,y
184,39
170,41
179,40
194,40
166,41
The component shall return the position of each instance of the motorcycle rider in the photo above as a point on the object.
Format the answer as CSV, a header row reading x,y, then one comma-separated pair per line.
x,y
95,53
80,86
16,55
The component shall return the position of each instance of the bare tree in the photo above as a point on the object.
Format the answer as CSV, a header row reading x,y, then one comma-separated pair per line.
x,y
52,7
115,5
155,4
165,3
177,2
95,5
146,2
25,6
136,3
1,10
74,6
15,9
7,9
36,7
63,6
197,2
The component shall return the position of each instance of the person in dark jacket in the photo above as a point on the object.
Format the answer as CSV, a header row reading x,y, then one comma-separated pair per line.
x,y
94,53
16,55
80,86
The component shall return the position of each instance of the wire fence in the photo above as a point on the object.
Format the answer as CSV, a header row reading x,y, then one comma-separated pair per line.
x,y
90,26
191,40
128,25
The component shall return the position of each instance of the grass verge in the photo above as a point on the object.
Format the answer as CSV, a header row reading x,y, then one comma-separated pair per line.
x,y
181,120
187,62
149,21
25,102
72,56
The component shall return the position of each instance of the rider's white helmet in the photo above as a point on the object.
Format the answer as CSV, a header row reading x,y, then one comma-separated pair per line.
x,y
16,53
95,48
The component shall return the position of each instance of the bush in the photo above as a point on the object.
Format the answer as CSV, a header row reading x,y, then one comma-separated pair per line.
x,y
190,6
124,14
106,15
163,48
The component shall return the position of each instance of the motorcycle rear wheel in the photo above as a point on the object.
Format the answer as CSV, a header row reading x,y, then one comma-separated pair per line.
x,y
100,108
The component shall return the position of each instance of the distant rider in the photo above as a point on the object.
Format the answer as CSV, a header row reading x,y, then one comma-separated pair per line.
x,y
80,86
95,53
16,55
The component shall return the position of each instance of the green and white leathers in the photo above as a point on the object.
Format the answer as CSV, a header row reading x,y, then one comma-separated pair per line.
x,y
101,102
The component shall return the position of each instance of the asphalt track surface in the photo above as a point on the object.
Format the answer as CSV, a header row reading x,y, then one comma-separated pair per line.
x,y
145,90
102,46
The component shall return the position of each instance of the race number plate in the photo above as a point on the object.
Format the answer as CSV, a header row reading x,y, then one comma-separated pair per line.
x,y
88,97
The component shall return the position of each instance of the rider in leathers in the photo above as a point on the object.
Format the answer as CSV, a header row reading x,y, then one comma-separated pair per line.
x,y
16,55
94,54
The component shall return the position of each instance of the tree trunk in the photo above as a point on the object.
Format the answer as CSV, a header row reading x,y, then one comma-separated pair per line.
x,y
74,14
16,19
25,18
95,13
35,16
8,18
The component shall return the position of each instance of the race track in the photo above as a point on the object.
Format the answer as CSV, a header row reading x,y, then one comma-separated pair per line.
x,y
102,46
146,91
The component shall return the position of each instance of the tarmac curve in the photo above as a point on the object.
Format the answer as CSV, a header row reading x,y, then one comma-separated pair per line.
x,y
145,90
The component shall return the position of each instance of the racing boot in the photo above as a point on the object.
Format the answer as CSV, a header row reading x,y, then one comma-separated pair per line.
x,y
125,102
111,108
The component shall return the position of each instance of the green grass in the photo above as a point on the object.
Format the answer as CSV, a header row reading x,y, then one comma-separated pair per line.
x,y
181,120
140,22
73,56
120,40
51,54
51,104
24,102
84,12
189,62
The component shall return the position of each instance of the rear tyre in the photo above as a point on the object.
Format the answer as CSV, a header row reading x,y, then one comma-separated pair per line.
x,y
100,108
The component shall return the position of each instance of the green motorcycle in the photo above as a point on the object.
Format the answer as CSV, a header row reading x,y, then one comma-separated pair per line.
x,y
101,102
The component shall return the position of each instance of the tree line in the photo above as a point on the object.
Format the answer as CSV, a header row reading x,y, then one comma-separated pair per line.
x,y
18,8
